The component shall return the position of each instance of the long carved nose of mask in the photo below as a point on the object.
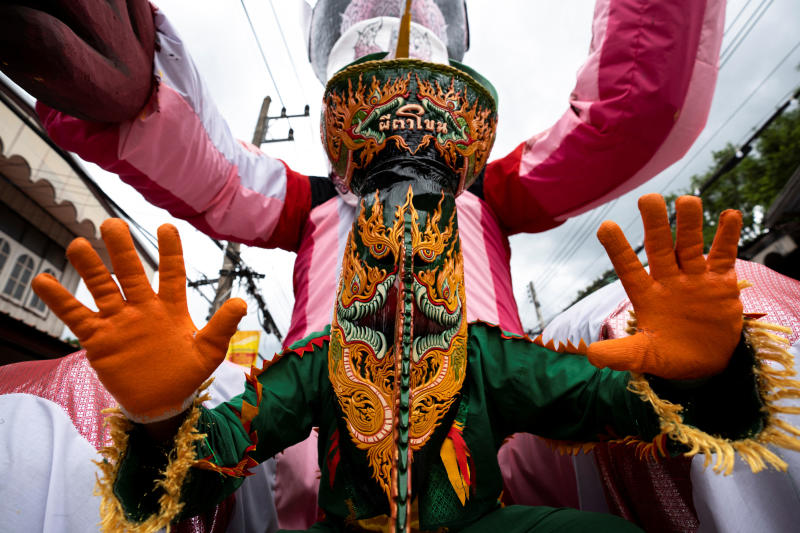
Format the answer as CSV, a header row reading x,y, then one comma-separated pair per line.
x,y
397,355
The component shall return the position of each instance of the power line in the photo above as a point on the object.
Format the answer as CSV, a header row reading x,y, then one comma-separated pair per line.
x,y
732,115
741,153
783,98
554,269
746,147
734,45
578,241
288,51
736,111
556,258
736,18
570,249
294,68
263,56
750,23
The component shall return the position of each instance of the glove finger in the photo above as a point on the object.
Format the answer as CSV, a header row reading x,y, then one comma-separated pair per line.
x,y
689,234
171,269
722,256
96,276
77,317
626,264
657,237
127,265
213,339
625,353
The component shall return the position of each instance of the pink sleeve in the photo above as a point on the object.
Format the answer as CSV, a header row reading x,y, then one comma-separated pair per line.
x,y
180,155
640,101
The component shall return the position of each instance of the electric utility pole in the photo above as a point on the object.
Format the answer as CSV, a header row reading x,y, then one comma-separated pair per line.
x,y
535,300
231,260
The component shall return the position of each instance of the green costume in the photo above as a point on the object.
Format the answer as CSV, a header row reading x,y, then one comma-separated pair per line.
x,y
512,385
412,402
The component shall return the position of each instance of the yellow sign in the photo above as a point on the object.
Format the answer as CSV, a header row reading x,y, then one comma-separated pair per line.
x,y
243,349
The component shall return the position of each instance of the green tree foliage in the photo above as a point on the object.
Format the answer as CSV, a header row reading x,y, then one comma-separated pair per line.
x,y
753,184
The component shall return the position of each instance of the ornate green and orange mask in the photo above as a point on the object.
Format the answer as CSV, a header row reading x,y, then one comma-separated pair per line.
x,y
407,137
398,342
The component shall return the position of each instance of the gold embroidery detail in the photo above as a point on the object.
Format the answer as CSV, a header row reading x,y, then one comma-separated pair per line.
x,y
361,120
363,383
480,127
342,112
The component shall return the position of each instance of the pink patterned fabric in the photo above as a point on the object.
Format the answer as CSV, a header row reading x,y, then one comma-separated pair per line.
x,y
72,384
69,382
655,495
774,294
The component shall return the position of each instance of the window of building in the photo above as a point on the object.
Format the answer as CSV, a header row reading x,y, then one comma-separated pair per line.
x,y
5,251
20,277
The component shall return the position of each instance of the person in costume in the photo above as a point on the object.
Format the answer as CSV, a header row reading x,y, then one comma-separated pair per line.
x,y
412,401
117,85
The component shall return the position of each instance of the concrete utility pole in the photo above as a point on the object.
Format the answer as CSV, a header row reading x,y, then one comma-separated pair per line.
x,y
532,294
232,265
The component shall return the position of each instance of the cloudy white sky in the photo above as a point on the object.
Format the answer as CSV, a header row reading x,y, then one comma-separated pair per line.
x,y
531,52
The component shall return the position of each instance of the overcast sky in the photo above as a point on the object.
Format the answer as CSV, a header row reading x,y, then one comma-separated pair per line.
x,y
530,50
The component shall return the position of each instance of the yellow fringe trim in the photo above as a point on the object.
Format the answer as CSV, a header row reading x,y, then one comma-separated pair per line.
x,y
181,458
774,368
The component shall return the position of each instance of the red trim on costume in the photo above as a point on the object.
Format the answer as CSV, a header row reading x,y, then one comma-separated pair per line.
x,y
500,185
99,143
296,208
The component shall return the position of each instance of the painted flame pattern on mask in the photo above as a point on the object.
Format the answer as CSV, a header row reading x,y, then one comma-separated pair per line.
x,y
361,359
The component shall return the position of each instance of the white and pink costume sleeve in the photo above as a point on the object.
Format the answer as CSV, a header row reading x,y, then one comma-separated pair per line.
x,y
180,155
639,102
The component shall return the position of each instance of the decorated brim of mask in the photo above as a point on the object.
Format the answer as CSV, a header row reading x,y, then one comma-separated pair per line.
x,y
380,112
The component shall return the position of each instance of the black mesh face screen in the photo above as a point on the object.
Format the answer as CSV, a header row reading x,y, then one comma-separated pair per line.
x,y
327,16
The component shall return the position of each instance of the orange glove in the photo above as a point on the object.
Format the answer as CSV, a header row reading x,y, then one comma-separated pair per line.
x,y
688,309
144,347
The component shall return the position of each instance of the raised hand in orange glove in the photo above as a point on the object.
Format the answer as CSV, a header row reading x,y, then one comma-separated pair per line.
x,y
143,346
688,309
